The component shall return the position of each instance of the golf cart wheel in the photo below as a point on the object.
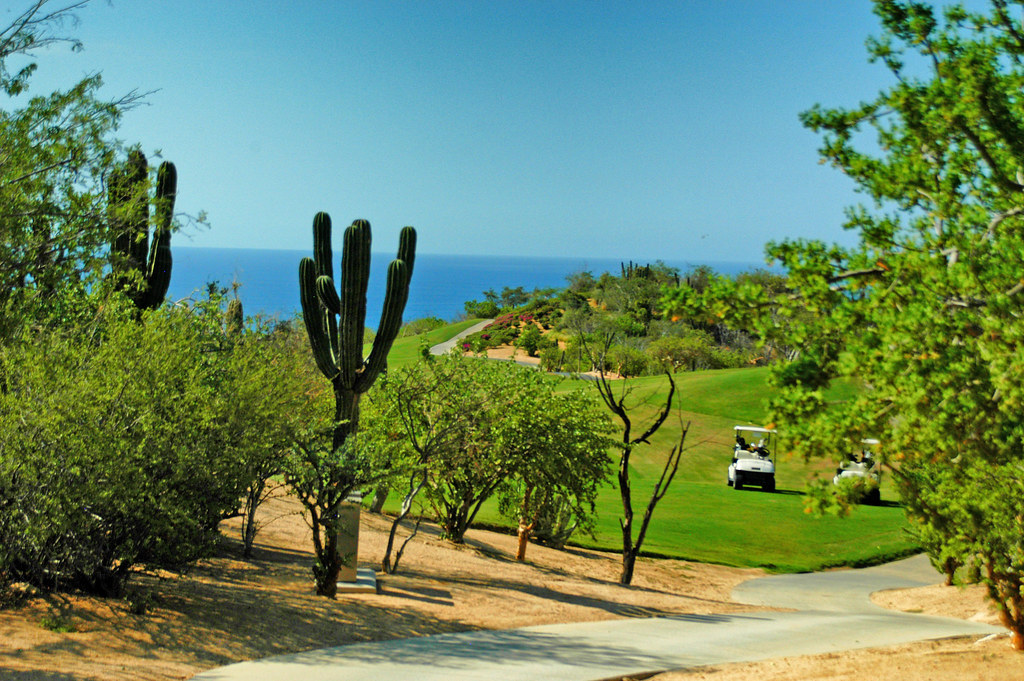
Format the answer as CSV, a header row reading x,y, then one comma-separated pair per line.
x,y
874,497
769,486
737,483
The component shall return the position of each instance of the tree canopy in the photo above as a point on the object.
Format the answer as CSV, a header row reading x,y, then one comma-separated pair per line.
x,y
926,310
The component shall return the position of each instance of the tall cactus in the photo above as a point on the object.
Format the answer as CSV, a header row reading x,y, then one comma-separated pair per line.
x,y
129,216
335,322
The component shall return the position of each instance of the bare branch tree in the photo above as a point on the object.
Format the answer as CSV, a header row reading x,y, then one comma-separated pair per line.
x,y
615,400
35,28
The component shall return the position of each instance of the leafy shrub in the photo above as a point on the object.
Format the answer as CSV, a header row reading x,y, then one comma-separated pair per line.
x,y
551,358
418,326
529,340
627,361
486,309
123,444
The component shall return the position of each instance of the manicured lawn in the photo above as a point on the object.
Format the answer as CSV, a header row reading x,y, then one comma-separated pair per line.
x,y
703,519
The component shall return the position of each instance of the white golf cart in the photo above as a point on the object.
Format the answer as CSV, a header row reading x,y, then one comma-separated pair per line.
x,y
752,459
862,470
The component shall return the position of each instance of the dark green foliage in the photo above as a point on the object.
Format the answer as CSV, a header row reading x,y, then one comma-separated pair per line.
x,y
141,268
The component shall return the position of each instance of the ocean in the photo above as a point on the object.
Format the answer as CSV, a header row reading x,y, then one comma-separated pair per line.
x,y
441,284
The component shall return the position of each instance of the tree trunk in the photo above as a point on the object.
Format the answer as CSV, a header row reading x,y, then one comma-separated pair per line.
x,y
525,525
414,488
328,564
379,497
346,422
252,502
628,553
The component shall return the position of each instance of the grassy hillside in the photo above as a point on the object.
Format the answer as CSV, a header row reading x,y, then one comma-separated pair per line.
x,y
407,350
703,519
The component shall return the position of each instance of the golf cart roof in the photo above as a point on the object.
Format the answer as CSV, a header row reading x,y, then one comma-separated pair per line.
x,y
753,429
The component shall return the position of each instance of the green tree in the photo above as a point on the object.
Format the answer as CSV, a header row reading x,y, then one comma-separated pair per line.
x,y
512,298
925,311
428,410
478,428
469,473
57,149
561,443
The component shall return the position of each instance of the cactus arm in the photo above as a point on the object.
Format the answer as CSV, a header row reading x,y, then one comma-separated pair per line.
x,y
328,295
158,268
355,276
322,244
407,248
364,256
390,322
158,276
138,210
322,256
313,316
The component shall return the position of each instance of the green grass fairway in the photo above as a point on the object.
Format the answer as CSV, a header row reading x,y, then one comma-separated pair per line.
x,y
703,519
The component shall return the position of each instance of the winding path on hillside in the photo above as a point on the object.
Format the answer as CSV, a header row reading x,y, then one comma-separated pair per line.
x,y
832,612
446,347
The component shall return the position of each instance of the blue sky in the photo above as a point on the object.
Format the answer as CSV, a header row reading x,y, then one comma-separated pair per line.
x,y
631,130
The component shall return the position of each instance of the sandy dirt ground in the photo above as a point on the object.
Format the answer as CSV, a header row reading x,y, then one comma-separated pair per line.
x,y
228,609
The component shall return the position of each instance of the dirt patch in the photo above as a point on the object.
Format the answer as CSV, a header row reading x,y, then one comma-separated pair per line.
x,y
228,609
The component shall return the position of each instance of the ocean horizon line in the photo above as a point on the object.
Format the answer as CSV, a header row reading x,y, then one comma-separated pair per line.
x,y
442,283
670,261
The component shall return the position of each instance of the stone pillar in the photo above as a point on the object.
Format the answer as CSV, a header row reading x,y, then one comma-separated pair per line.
x,y
348,536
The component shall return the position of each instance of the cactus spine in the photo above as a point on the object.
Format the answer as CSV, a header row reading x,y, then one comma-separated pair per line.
x,y
335,320
129,211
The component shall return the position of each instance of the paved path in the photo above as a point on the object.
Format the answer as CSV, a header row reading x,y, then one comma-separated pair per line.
x,y
446,347
834,614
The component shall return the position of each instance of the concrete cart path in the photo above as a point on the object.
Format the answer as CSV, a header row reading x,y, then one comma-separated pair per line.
x,y
446,347
601,650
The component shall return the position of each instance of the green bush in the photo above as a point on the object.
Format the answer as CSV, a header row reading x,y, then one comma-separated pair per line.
x,y
627,361
123,444
418,326
529,340
486,309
